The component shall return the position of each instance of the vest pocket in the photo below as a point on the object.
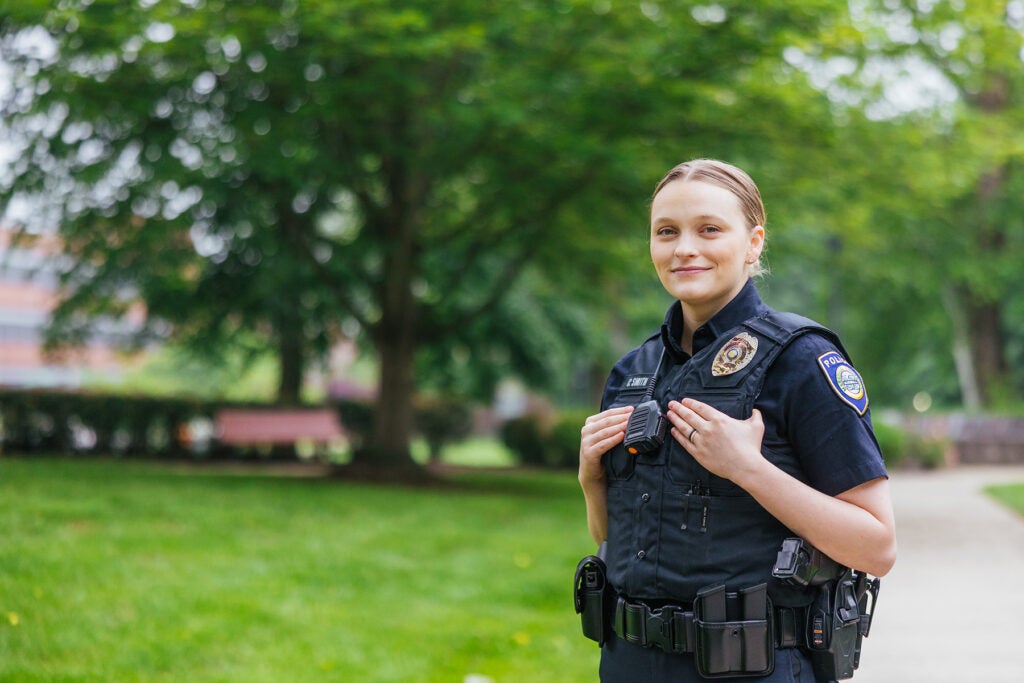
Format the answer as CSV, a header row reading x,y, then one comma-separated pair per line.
x,y
732,402
619,464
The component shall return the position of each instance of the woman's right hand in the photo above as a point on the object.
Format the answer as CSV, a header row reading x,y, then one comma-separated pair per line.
x,y
600,433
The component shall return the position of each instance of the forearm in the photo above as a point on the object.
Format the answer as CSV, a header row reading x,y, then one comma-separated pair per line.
x,y
855,528
600,434
595,493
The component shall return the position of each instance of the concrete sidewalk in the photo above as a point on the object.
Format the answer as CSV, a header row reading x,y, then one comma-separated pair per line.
x,y
952,609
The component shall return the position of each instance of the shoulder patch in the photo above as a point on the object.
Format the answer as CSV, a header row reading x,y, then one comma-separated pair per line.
x,y
844,380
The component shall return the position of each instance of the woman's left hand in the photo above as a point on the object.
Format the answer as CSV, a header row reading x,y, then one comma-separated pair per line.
x,y
725,446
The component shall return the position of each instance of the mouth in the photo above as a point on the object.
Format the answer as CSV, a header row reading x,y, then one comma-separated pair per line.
x,y
688,270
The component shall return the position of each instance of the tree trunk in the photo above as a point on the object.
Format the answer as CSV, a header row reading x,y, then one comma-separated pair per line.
x,y
986,345
393,415
970,393
395,336
291,357
984,315
398,222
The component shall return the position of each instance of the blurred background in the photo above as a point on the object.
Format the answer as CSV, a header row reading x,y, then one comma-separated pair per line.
x,y
392,240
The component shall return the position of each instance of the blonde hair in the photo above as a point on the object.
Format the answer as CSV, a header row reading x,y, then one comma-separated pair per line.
x,y
733,179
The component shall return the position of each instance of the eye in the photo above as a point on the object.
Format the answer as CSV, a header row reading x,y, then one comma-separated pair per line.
x,y
665,230
710,228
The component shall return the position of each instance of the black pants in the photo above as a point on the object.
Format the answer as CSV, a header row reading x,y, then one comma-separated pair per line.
x,y
624,662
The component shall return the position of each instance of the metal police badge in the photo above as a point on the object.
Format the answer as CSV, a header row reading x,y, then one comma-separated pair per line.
x,y
845,381
735,355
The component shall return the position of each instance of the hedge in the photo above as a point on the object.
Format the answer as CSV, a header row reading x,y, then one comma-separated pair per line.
x,y
50,421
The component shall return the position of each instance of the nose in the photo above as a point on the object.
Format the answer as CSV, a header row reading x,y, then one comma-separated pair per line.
x,y
686,244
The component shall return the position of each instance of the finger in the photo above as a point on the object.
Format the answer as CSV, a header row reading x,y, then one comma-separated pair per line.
x,y
607,416
608,432
682,437
701,410
605,428
621,410
605,445
676,419
690,416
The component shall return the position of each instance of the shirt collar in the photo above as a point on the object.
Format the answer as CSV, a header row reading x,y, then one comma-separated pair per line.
x,y
744,306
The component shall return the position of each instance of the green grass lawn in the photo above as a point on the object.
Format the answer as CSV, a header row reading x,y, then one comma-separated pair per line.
x,y
128,571
1010,495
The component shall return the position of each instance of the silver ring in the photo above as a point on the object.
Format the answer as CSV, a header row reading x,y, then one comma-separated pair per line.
x,y
692,432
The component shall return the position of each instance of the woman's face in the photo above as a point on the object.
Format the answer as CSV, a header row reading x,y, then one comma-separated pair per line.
x,y
701,245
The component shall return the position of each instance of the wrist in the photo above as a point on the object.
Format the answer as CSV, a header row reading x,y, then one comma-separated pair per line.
x,y
752,470
591,481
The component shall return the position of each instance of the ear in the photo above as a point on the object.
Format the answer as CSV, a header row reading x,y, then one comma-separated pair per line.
x,y
756,244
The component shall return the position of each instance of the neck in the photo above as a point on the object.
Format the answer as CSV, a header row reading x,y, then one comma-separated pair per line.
x,y
694,316
692,321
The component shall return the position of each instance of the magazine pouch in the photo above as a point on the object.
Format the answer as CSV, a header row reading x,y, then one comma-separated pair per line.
x,y
734,632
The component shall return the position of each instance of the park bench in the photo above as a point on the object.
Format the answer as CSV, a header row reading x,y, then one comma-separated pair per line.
x,y
263,427
974,439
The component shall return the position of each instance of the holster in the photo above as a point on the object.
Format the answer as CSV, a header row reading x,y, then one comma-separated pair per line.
x,y
594,598
839,616
838,621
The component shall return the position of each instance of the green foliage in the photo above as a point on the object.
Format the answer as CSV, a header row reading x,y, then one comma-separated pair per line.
x,y
564,438
463,186
903,449
546,441
201,576
524,436
427,176
49,421
442,420
917,250
357,418
176,371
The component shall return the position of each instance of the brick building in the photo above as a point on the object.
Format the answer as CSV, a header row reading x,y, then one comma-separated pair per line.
x,y
28,285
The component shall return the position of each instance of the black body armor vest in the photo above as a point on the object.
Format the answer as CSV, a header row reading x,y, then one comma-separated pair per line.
x,y
673,527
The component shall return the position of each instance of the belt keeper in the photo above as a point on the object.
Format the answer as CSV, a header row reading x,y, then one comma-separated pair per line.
x,y
633,621
684,636
787,627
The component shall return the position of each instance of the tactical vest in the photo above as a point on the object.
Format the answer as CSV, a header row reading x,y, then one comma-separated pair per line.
x,y
673,527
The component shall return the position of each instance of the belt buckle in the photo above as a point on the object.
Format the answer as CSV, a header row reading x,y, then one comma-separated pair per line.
x,y
660,629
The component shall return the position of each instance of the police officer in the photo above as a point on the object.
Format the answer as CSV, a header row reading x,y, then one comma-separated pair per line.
x,y
769,437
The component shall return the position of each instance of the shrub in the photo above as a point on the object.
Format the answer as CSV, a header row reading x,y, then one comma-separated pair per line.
x,y
564,439
903,449
524,436
545,443
357,420
442,420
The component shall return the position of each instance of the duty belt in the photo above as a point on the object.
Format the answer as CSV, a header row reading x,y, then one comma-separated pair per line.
x,y
672,627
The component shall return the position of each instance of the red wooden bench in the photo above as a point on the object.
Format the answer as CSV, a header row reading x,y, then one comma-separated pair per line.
x,y
278,426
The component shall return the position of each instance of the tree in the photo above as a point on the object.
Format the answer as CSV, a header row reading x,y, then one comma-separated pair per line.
x,y
394,170
965,176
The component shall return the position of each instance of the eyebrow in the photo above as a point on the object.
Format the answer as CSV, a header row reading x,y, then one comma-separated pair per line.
x,y
702,217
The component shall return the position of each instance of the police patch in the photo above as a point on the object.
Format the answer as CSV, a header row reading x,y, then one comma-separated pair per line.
x,y
844,380
735,355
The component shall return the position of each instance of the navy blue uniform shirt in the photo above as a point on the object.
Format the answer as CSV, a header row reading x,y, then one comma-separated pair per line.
x,y
811,432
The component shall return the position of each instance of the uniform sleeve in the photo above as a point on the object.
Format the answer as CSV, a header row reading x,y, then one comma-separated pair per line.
x,y
828,422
